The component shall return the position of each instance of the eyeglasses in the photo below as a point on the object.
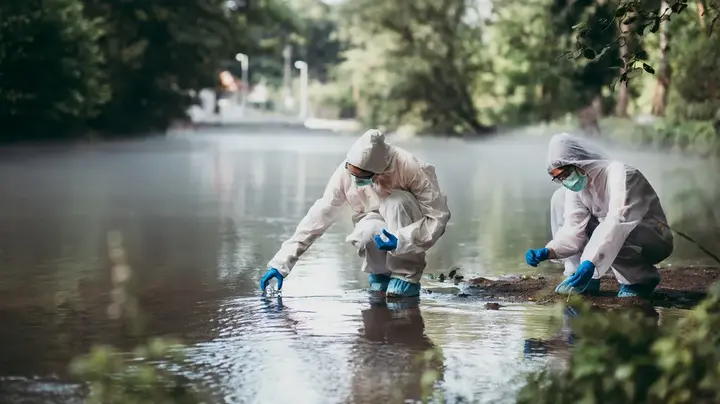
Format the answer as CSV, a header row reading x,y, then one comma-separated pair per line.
x,y
367,175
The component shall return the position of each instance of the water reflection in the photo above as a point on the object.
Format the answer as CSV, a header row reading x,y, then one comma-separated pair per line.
x,y
393,355
565,337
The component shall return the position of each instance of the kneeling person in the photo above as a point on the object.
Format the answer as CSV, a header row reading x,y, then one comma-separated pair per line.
x,y
607,215
399,213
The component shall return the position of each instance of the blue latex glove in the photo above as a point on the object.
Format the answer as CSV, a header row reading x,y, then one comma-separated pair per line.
x,y
389,245
271,273
534,257
583,275
579,281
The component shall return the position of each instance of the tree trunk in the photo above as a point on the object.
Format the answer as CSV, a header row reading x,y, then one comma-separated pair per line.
x,y
623,96
624,33
660,97
701,14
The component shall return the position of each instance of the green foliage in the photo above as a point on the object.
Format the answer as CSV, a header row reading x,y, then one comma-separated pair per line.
x,y
51,75
532,81
156,53
119,66
261,29
697,77
416,61
633,19
680,109
124,67
624,357
145,377
696,137
318,41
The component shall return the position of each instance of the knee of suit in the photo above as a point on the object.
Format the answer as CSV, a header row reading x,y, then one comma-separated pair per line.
x,y
654,246
398,201
656,253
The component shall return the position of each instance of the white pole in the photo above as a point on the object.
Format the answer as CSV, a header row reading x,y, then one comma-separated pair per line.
x,y
303,67
244,62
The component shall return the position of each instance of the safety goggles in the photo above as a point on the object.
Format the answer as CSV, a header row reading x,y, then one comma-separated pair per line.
x,y
366,176
563,175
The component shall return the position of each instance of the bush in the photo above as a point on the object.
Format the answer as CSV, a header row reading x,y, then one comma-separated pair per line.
x,y
679,109
51,79
625,357
697,78
143,378
696,137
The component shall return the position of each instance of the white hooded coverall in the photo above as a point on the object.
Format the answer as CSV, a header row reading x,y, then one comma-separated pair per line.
x,y
615,222
405,198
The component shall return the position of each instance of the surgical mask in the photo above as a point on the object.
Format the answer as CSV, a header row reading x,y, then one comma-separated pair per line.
x,y
575,182
361,182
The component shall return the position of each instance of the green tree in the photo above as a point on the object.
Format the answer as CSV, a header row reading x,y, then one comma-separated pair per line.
x,y
51,76
416,62
262,29
156,53
534,81
318,41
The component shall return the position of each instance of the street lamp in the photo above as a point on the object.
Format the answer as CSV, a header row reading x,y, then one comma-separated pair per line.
x,y
244,62
303,67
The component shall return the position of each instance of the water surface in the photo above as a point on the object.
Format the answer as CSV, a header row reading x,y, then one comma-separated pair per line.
x,y
200,217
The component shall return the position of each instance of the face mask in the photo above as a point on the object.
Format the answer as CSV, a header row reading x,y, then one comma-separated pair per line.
x,y
361,182
575,182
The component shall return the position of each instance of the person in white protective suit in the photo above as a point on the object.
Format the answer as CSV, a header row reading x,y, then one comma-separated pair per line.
x,y
606,216
392,193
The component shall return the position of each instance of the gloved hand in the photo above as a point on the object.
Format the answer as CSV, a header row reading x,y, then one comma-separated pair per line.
x,y
534,257
271,273
580,280
389,245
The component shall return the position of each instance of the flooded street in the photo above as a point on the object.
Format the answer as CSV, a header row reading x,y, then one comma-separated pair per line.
x,y
202,214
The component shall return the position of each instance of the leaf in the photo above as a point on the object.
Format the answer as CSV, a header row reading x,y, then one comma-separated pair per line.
x,y
630,20
589,54
648,68
620,11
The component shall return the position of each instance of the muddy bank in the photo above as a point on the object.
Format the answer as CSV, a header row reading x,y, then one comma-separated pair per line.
x,y
680,287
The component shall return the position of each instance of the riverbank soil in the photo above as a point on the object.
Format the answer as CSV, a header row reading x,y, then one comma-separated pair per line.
x,y
679,287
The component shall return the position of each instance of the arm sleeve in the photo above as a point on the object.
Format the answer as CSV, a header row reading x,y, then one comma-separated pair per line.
x,y
323,213
419,236
571,236
628,202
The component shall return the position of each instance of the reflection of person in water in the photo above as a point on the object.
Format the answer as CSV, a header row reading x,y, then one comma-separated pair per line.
x,y
390,355
565,336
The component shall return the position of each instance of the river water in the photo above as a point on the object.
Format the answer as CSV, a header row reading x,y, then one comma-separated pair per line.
x,y
201,214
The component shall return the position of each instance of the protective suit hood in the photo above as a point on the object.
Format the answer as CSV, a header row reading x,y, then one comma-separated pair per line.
x,y
566,149
370,152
